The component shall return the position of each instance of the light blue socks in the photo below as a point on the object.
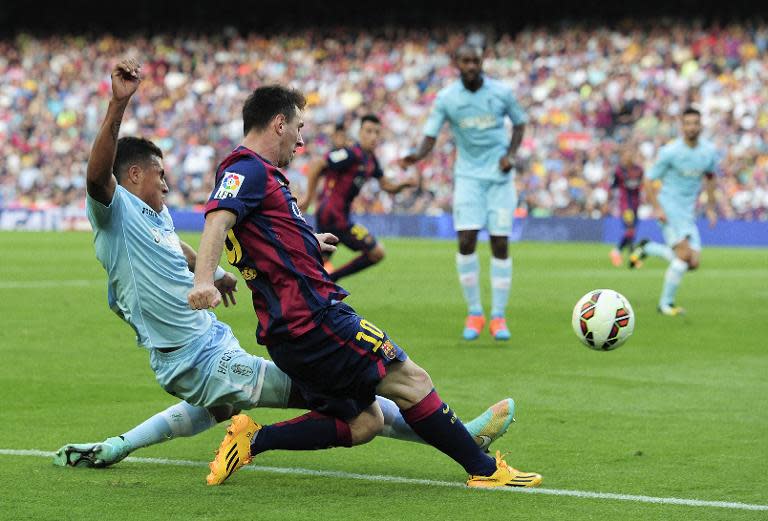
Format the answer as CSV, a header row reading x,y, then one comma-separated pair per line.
x,y
469,277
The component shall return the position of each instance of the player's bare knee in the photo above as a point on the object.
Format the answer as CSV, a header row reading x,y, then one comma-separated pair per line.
x,y
366,426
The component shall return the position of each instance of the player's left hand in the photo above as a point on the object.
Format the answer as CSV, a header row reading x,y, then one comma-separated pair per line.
x,y
711,217
327,241
506,163
204,296
227,286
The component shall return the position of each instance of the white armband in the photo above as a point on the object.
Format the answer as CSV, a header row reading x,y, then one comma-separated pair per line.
x,y
219,273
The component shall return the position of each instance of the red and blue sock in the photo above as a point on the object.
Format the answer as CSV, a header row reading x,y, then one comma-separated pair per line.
x,y
311,431
357,264
439,426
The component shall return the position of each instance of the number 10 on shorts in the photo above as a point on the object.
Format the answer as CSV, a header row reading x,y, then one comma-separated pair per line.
x,y
370,334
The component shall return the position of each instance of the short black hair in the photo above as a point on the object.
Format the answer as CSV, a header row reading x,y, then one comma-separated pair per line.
x,y
267,102
339,127
373,118
690,111
132,150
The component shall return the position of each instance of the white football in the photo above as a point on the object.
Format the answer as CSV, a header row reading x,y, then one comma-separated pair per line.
x,y
603,319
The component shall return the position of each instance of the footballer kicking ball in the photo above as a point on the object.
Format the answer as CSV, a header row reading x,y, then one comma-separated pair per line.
x,y
603,319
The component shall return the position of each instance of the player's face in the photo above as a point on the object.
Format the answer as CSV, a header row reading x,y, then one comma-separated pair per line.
x,y
626,157
470,65
370,133
291,139
691,126
153,186
339,138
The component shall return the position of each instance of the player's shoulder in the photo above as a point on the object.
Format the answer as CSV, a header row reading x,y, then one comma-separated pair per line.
x,y
708,146
497,85
670,147
337,155
449,91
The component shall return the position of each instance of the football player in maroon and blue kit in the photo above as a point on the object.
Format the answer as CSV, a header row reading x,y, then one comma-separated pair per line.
x,y
627,181
346,169
338,360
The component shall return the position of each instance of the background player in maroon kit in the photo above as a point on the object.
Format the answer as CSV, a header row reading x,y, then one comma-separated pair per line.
x,y
338,360
346,170
627,181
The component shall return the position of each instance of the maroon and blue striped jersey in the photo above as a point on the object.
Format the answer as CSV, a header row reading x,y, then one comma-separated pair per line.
x,y
629,181
274,248
347,170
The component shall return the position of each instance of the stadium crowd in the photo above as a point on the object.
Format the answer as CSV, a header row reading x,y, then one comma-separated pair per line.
x,y
587,91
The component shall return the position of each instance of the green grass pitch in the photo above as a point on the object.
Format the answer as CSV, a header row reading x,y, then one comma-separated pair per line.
x,y
680,411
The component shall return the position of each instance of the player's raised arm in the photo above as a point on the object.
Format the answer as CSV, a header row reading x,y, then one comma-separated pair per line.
x,y
313,178
100,182
204,294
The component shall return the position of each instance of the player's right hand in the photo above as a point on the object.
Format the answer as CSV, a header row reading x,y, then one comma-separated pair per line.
x,y
125,79
661,215
204,296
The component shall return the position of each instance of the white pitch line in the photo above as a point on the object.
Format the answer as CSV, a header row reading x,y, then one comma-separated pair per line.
x,y
428,482
35,284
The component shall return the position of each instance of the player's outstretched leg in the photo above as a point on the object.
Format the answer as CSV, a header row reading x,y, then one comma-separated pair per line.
x,y
179,420
92,455
485,429
435,422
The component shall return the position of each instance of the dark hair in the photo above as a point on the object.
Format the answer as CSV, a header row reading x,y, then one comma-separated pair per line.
x,y
339,127
690,111
132,150
267,102
373,118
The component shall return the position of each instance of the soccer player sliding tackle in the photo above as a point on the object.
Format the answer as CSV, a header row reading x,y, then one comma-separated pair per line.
x,y
194,356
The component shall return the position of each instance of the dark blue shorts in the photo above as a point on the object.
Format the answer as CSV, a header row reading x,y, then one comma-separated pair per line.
x,y
338,365
356,237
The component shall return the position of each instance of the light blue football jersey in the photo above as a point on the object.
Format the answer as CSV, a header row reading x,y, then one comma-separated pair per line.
x,y
680,169
148,276
477,123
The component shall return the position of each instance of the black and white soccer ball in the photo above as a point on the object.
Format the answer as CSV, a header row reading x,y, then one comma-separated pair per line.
x,y
603,319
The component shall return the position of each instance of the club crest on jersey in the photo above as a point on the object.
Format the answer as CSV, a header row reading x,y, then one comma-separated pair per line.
x,y
388,350
229,186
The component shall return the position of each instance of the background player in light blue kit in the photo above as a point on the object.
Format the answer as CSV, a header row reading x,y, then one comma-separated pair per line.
x,y
484,192
680,168
194,356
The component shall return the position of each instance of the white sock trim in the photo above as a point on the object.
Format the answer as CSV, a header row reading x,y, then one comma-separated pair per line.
x,y
501,263
463,260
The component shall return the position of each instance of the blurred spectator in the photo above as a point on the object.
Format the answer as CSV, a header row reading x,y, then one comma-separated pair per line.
x,y
586,90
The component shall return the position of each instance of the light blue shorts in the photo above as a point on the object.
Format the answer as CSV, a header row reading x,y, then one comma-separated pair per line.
x,y
215,370
677,230
479,203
